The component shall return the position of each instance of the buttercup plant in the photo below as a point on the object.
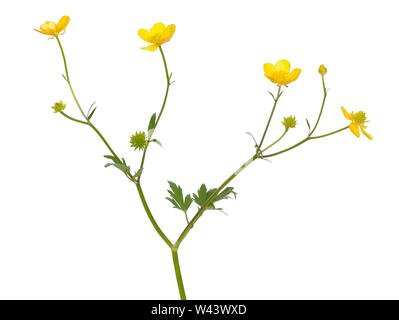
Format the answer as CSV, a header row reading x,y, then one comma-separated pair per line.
x,y
205,199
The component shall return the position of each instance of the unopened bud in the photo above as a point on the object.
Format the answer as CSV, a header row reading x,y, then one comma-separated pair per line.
x,y
322,70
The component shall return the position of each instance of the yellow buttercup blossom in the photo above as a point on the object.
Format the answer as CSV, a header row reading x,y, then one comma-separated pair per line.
x,y
322,70
54,29
157,35
358,120
280,72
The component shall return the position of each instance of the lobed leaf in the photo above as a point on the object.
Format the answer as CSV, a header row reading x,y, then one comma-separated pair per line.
x,y
177,198
203,195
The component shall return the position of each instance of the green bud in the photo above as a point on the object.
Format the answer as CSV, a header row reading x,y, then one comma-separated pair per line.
x,y
289,122
58,106
139,140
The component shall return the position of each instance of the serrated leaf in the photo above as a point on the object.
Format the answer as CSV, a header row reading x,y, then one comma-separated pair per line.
x,y
225,194
177,199
204,194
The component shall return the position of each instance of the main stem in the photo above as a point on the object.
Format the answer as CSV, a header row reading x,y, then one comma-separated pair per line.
x,y
179,278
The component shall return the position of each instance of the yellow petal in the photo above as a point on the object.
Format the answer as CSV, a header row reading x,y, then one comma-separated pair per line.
x,y
49,27
294,75
61,25
283,65
355,129
152,47
280,77
347,114
365,133
157,29
269,69
144,34
169,32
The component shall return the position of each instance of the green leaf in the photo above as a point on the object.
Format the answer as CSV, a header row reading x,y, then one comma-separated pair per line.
x,y
177,199
225,194
111,158
121,166
204,194
156,141
137,173
249,133
151,124
308,124
91,113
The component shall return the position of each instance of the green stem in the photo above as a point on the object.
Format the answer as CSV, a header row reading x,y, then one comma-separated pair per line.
x,y
329,134
69,81
322,106
179,278
151,217
271,115
282,136
73,119
167,87
105,141
303,141
63,57
205,205
185,214
80,108
160,112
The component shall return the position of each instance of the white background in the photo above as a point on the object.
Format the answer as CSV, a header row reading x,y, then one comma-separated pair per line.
x,y
320,222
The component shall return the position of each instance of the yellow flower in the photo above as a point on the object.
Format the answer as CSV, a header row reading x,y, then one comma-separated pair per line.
x,y
52,29
280,72
157,35
322,70
358,120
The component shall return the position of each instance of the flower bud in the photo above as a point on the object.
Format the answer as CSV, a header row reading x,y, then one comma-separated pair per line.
x,y
322,70
289,122
58,106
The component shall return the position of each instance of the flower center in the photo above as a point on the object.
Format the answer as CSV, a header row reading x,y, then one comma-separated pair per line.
x,y
360,117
